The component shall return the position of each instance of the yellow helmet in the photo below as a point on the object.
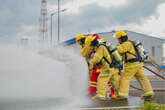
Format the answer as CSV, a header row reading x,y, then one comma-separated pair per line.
x,y
88,40
103,40
79,37
120,33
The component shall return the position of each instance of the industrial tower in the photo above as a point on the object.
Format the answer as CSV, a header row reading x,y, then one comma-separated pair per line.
x,y
43,20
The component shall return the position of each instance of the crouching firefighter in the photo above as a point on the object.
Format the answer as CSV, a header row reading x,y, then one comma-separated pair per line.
x,y
107,72
130,52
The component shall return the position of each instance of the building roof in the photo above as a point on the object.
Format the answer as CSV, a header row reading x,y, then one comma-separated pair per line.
x,y
162,66
146,35
68,42
73,40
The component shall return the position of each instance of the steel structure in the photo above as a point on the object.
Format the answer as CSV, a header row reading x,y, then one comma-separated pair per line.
x,y
43,20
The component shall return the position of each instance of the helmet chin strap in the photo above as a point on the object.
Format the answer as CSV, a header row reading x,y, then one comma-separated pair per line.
x,y
94,42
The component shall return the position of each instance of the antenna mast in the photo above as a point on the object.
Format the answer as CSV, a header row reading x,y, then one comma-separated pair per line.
x,y
43,20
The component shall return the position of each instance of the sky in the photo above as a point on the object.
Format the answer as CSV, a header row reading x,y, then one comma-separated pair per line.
x,y
20,18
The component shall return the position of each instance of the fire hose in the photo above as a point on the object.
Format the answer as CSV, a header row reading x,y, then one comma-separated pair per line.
x,y
157,74
155,90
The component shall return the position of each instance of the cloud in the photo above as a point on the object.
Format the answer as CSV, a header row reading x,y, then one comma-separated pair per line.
x,y
5,15
17,14
136,11
87,15
95,17
154,25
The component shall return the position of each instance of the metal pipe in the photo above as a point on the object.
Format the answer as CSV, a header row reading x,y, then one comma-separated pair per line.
x,y
58,21
51,28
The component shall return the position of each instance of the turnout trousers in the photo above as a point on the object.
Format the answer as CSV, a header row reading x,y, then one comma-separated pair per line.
x,y
138,73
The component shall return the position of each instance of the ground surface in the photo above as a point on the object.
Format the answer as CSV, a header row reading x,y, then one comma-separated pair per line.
x,y
51,104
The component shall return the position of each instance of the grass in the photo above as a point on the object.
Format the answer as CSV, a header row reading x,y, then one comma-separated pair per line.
x,y
151,106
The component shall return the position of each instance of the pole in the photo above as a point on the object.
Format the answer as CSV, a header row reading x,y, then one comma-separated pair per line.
x,y
58,21
51,26
51,29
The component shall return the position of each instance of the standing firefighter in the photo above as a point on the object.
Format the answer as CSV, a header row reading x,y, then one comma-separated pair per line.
x,y
95,73
80,39
133,67
106,72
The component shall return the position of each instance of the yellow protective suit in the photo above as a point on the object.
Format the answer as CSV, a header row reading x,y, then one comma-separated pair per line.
x,y
106,72
132,69
82,45
85,50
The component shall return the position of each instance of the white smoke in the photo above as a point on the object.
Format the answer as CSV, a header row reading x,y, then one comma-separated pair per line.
x,y
27,74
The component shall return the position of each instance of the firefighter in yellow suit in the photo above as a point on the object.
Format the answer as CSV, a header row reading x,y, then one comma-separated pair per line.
x,y
106,73
80,39
133,68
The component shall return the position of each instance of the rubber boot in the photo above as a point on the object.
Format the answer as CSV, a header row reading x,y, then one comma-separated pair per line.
x,y
95,98
147,98
92,91
119,98
92,83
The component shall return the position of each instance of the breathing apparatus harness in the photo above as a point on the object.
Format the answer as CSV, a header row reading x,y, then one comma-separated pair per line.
x,y
140,53
116,58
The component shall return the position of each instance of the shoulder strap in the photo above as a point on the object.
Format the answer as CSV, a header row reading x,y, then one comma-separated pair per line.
x,y
106,60
108,52
137,55
113,63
